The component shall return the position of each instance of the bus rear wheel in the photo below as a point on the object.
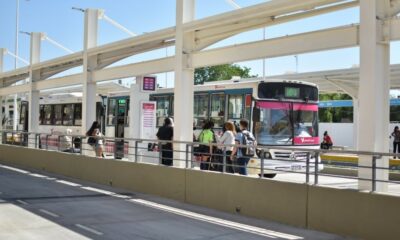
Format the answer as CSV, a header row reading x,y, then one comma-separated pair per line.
x,y
268,175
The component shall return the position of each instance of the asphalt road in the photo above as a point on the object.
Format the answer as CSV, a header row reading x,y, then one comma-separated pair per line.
x,y
42,206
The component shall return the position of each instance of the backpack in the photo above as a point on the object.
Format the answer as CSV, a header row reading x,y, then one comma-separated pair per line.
x,y
249,141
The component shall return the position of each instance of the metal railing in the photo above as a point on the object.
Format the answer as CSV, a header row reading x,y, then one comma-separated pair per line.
x,y
188,155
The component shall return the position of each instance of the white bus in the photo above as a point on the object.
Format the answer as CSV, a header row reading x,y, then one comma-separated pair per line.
x,y
281,113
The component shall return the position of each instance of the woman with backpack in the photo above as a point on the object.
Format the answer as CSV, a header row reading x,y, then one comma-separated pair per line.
x,y
206,137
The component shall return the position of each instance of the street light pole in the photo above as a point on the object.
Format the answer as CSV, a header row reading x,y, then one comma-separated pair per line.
x,y
264,58
15,109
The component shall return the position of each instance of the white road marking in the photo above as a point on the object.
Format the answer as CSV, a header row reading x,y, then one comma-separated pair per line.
x,y
37,175
68,183
112,194
98,190
89,229
22,202
217,221
49,213
14,169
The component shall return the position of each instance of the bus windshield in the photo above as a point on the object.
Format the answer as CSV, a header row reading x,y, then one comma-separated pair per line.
x,y
283,123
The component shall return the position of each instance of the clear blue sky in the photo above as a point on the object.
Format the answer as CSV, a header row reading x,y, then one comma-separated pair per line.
x,y
64,25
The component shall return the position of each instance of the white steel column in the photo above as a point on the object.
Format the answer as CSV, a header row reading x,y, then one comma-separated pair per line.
x,y
33,96
374,89
89,87
184,78
135,97
2,53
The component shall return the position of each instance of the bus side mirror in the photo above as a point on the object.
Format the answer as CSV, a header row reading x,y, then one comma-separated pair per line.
x,y
256,114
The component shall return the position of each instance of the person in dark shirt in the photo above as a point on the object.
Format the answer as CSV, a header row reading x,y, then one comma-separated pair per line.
x,y
396,140
166,132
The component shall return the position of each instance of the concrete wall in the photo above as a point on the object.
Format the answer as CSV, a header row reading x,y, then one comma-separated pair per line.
x,y
353,213
265,199
344,212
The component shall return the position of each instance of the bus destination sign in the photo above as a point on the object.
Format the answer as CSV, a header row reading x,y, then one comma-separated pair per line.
x,y
292,92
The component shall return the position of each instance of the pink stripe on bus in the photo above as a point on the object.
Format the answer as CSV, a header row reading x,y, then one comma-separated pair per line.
x,y
305,107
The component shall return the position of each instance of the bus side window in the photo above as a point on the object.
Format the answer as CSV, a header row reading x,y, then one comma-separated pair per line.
x,y
235,106
200,111
218,109
78,114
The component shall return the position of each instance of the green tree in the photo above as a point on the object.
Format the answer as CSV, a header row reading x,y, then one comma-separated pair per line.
x,y
220,72
339,114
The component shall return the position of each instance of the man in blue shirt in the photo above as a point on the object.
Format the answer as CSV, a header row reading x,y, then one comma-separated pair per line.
x,y
242,160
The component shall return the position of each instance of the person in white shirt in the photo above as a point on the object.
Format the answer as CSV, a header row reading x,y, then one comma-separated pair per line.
x,y
228,138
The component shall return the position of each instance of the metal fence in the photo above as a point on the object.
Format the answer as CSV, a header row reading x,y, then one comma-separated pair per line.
x,y
286,163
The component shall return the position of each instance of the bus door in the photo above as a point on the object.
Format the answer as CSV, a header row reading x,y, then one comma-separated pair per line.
x,y
239,106
23,121
120,123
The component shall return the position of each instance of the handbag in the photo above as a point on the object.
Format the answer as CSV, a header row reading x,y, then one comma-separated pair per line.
x,y
91,141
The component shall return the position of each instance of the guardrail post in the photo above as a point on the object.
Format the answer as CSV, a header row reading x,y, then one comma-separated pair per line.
x,y
374,173
81,146
224,161
192,157
59,143
21,139
316,168
47,142
136,151
187,156
160,153
36,140
308,168
262,163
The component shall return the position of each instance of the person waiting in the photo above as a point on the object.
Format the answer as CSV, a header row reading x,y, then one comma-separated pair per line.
x,y
396,140
327,141
228,138
166,132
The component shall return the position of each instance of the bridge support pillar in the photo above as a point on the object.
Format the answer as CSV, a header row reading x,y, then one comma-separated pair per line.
x,y
374,90
184,79
33,95
2,115
89,63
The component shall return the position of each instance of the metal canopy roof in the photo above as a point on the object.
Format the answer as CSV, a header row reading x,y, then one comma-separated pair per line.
x,y
339,80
